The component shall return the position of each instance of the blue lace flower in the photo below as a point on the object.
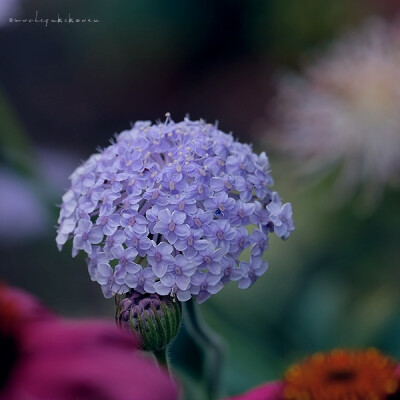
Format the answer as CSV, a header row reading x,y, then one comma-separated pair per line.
x,y
170,208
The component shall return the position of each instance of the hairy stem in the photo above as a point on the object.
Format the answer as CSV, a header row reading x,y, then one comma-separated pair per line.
x,y
162,358
209,343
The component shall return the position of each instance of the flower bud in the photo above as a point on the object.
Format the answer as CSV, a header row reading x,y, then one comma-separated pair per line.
x,y
156,319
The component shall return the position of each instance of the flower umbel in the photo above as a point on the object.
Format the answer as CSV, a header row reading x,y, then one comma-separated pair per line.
x,y
166,208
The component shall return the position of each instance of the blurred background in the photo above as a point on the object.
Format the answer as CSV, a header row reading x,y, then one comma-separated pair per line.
x,y
65,89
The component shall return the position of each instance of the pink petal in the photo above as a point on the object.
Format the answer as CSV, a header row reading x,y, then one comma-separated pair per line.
x,y
270,391
86,360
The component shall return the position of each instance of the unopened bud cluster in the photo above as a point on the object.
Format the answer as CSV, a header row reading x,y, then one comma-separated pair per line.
x,y
155,318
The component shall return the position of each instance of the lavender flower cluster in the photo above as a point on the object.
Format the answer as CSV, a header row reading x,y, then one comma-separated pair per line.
x,y
169,209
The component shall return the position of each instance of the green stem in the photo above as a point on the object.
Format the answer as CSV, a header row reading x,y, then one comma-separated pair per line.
x,y
209,343
162,358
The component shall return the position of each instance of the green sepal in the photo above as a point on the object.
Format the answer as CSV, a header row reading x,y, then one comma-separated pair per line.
x,y
157,323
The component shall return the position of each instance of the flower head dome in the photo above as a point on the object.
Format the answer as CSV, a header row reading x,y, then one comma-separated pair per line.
x,y
344,110
165,208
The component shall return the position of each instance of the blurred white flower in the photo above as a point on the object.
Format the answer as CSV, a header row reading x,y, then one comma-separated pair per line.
x,y
345,110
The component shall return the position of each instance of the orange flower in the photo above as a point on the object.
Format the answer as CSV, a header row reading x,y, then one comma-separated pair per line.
x,y
342,375
338,375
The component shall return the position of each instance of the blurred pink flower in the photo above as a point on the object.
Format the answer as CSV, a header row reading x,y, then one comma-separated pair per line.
x,y
48,358
269,391
16,306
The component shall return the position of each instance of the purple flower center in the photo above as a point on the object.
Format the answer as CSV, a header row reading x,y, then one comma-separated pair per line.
x,y
104,220
171,226
240,213
200,189
135,241
85,235
228,185
221,207
197,222
178,270
181,205
241,242
158,257
132,220
251,273
207,259
171,185
123,261
204,286
190,241
141,281
220,235
155,195
227,271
